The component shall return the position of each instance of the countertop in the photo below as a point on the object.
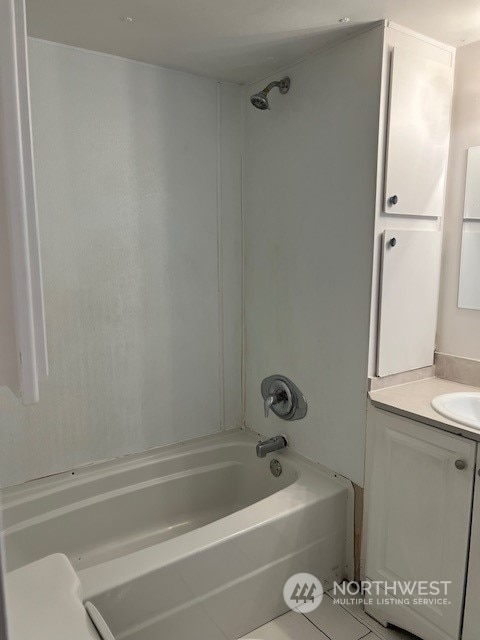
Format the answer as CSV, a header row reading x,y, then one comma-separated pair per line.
x,y
413,399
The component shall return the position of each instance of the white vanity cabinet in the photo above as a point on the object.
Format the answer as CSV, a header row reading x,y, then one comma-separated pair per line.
x,y
418,510
471,627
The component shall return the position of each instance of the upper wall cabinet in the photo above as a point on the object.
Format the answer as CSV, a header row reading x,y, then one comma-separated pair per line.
x,y
23,353
418,135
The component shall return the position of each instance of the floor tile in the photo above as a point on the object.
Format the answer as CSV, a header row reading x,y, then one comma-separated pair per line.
x,y
385,633
291,626
336,622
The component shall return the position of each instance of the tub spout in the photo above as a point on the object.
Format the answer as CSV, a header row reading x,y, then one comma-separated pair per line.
x,y
273,444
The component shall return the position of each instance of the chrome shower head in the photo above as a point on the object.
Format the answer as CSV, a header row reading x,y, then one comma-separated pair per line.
x,y
260,99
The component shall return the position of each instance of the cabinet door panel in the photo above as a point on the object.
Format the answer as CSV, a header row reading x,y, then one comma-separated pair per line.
x,y
408,300
472,602
418,512
418,135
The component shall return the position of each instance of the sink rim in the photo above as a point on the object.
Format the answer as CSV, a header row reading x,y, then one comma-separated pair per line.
x,y
438,404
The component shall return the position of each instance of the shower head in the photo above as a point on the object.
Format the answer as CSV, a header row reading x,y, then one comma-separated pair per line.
x,y
260,99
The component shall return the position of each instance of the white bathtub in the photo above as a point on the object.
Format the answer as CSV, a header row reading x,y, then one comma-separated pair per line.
x,y
187,541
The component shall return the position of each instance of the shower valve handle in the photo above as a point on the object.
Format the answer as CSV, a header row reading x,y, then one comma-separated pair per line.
x,y
274,398
283,397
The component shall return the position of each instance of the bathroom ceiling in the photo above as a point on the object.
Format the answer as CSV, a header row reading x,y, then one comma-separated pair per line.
x,y
236,40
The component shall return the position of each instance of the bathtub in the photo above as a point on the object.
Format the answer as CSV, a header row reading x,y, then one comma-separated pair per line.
x,y
187,541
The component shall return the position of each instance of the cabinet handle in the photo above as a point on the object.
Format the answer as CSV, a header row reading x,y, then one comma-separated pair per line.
x,y
393,200
392,242
460,464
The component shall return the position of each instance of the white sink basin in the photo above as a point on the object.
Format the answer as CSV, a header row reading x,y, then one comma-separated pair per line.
x,y
461,407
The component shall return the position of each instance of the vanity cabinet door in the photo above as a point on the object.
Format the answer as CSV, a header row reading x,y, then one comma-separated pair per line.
x,y
418,135
471,625
418,509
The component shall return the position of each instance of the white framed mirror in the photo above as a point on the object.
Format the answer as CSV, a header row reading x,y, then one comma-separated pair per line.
x,y
469,280
469,287
471,209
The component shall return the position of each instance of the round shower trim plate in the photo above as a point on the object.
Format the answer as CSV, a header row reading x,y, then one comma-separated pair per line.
x,y
284,85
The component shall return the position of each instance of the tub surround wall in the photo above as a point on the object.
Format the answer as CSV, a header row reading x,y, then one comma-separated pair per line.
x,y
8,356
230,256
138,177
141,216
309,195
458,329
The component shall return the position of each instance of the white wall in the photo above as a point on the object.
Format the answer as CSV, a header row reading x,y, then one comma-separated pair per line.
x,y
309,218
138,177
459,329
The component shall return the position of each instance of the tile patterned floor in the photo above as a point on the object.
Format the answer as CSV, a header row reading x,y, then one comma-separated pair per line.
x,y
329,622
